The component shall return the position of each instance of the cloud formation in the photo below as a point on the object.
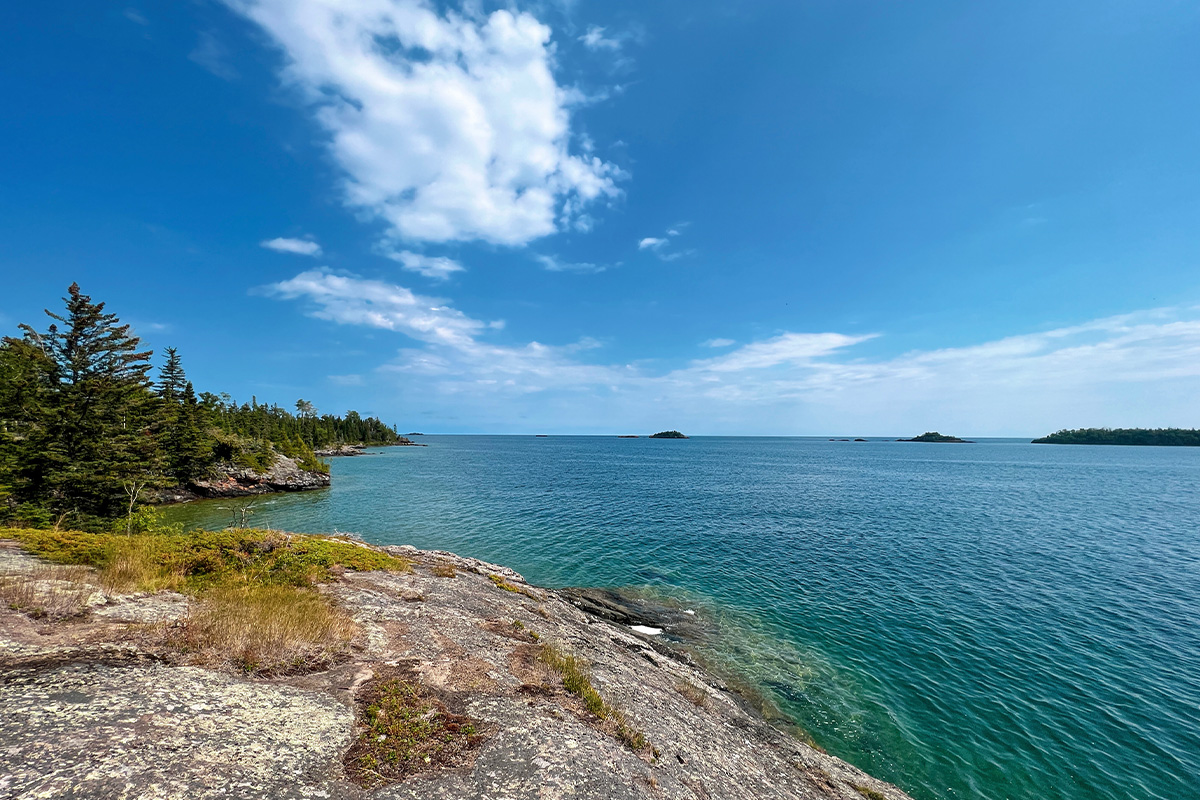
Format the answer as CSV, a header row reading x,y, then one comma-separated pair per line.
x,y
595,39
351,300
213,56
436,267
661,245
556,264
300,247
447,126
1097,373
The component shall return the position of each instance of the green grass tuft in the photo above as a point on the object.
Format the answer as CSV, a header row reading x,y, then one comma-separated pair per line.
x,y
578,681
512,587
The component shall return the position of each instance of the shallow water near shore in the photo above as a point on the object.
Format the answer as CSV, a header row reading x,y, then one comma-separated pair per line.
x,y
996,620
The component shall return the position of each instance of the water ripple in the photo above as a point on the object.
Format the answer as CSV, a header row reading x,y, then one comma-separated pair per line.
x,y
995,621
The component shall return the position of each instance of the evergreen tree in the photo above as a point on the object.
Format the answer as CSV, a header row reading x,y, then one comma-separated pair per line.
x,y
99,440
171,378
189,447
25,384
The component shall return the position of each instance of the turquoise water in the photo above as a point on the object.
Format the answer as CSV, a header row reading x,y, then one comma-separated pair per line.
x,y
998,620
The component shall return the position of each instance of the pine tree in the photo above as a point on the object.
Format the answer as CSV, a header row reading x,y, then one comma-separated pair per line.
x,y
190,448
100,441
25,384
171,378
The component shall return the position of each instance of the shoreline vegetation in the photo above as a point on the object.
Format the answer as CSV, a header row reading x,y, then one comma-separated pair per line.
x,y
1146,437
277,629
88,437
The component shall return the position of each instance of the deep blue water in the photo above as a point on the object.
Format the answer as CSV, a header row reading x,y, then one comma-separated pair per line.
x,y
995,620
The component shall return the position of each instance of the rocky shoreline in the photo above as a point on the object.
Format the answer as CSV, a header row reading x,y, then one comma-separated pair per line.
x,y
92,711
285,475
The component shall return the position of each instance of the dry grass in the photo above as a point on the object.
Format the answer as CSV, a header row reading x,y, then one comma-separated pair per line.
x,y
49,592
135,564
443,569
267,630
577,679
869,793
694,694
196,560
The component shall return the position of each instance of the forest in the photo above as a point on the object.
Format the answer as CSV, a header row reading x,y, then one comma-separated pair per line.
x,y
85,430
1160,437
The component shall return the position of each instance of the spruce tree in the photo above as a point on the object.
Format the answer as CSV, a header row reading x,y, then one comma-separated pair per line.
x,y
171,378
191,448
25,384
100,444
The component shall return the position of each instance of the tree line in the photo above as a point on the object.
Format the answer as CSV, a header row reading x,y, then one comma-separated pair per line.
x,y
84,429
1159,437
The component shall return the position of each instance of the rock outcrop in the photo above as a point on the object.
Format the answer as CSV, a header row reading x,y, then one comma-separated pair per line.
x,y
285,475
92,712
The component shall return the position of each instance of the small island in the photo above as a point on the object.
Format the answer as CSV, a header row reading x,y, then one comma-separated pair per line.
x,y
667,435
628,436
1146,437
934,436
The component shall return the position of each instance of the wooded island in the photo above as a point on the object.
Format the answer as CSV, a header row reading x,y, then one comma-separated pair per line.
x,y
1154,437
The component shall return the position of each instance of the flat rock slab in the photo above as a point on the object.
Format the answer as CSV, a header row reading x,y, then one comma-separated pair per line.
x,y
94,730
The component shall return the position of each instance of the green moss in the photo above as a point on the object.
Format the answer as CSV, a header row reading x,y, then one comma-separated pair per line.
x,y
869,793
406,731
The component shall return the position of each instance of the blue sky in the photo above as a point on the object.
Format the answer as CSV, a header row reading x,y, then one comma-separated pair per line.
x,y
754,218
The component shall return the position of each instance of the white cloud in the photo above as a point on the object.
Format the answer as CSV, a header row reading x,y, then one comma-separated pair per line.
x,y
347,380
660,245
795,349
301,247
351,300
555,264
718,343
436,267
213,56
595,39
448,126
1138,369
135,16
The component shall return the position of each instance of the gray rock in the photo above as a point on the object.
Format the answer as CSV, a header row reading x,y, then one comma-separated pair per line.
x,y
109,721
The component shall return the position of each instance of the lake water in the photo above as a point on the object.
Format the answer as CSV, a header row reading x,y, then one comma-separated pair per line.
x,y
993,620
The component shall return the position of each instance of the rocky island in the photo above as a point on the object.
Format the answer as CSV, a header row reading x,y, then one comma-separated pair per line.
x,y
667,435
411,674
934,436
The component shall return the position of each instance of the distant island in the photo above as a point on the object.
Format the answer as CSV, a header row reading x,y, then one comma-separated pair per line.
x,y
667,435
628,436
1147,437
934,436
